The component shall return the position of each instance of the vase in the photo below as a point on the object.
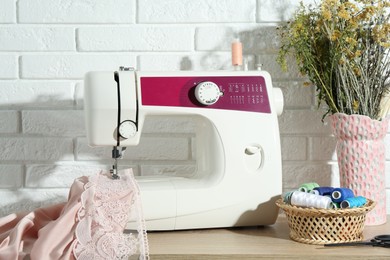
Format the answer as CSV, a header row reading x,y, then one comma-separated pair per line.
x,y
360,152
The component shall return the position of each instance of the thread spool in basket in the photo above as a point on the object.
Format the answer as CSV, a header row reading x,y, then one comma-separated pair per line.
x,y
304,199
335,205
353,202
323,190
307,187
340,194
287,196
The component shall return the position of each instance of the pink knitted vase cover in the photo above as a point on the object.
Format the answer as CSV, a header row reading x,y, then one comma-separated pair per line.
x,y
361,158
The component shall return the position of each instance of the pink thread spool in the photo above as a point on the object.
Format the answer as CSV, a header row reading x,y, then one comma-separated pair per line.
x,y
237,53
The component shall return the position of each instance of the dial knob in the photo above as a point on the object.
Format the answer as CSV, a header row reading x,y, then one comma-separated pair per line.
x,y
207,93
127,129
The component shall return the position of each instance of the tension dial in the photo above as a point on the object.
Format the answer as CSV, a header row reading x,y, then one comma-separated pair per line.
x,y
207,93
127,129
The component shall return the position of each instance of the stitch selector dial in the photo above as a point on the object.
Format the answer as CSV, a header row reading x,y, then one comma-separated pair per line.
x,y
127,129
207,93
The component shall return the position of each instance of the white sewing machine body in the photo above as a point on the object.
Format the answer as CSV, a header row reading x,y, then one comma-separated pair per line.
x,y
238,157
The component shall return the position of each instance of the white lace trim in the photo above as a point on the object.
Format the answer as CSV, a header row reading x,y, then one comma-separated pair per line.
x,y
106,206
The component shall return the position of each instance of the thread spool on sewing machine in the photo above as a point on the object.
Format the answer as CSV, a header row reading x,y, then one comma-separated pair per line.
x,y
238,157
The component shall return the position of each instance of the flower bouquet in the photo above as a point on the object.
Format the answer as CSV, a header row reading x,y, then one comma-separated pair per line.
x,y
343,48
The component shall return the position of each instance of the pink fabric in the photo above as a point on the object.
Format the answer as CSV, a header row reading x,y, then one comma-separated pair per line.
x,y
89,226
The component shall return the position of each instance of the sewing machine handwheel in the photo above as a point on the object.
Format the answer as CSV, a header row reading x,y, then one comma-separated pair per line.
x,y
127,129
207,93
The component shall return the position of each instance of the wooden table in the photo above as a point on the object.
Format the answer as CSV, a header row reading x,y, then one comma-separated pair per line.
x,y
269,242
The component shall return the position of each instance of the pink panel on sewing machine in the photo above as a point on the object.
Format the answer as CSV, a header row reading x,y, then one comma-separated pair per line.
x,y
244,93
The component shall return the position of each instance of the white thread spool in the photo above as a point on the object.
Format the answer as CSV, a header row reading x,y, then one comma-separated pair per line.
x,y
303,199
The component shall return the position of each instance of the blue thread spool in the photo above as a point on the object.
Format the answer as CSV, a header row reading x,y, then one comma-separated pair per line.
x,y
324,190
354,202
340,194
307,187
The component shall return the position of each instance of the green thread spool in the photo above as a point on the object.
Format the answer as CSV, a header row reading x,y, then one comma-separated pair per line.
x,y
287,196
307,187
335,205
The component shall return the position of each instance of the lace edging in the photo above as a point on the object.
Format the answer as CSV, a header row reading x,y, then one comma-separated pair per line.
x,y
106,205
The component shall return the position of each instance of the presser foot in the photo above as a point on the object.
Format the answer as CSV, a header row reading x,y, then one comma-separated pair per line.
x,y
114,174
117,153
114,171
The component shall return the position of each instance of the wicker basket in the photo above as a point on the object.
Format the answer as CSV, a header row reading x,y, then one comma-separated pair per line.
x,y
323,226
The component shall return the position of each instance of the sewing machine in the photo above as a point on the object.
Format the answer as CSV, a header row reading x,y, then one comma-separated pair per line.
x,y
238,157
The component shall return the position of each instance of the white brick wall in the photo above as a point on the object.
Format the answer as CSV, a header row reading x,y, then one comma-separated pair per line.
x,y
8,11
46,47
27,38
149,38
201,11
69,66
9,66
76,11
